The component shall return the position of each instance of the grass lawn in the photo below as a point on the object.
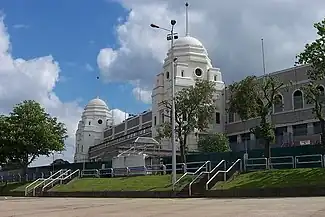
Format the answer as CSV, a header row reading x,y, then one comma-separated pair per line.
x,y
136,183
277,178
14,187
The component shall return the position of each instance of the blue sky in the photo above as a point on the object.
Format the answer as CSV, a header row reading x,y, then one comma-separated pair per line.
x,y
112,38
72,32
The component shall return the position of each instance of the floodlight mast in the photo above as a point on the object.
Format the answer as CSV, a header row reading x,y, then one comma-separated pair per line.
x,y
171,37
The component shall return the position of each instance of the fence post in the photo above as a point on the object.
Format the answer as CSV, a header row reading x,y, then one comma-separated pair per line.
x,y
112,172
164,169
184,167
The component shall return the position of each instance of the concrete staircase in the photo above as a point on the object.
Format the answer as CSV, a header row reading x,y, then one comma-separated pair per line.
x,y
199,186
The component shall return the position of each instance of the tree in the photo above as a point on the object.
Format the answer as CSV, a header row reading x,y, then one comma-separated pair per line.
x,y
5,140
254,97
314,55
214,143
194,107
31,132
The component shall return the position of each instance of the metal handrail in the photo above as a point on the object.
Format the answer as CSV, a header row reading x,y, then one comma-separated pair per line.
x,y
224,172
210,172
96,172
44,181
207,164
56,179
256,164
309,162
284,163
31,184
70,175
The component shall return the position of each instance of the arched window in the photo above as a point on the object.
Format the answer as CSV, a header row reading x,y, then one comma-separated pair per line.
x,y
298,101
278,103
167,75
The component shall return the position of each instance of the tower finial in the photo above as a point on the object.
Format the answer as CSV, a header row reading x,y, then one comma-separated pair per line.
x,y
186,21
98,88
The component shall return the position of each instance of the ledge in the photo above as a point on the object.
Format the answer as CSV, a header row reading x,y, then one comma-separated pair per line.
x,y
231,193
115,194
311,191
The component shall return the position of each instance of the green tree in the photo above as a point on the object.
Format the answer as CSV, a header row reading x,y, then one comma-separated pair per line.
x,y
254,97
314,55
194,107
5,140
214,143
32,133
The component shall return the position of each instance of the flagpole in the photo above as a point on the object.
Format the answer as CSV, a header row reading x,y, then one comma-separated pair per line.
x,y
263,57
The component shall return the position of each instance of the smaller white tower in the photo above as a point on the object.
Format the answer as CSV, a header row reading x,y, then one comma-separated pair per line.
x,y
95,118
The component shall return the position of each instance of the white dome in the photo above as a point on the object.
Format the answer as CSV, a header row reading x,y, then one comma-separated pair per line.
x,y
96,103
188,41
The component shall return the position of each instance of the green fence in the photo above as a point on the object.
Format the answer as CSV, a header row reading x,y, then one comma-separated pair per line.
x,y
229,157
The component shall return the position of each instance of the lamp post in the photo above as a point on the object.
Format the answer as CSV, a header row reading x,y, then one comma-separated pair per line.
x,y
171,37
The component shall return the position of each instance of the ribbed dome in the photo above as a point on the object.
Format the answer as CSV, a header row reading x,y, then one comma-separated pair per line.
x,y
96,103
188,41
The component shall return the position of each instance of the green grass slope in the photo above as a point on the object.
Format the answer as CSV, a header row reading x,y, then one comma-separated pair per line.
x,y
136,183
14,187
276,178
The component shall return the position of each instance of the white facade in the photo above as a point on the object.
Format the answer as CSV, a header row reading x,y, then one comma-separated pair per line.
x,y
192,63
95,118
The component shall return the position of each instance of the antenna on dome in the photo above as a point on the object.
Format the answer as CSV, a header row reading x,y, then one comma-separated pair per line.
x,y
97,88
186,19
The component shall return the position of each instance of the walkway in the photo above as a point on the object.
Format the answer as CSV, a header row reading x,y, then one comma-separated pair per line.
x,y
50,207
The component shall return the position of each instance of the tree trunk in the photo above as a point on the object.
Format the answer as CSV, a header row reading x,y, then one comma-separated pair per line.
x,y
322,136
182,144
267,151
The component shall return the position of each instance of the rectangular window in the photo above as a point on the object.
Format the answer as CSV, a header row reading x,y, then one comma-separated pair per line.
x,y
162,118
317,128
280,131
218,118
231,117
155,120
299,130
245,137
232,139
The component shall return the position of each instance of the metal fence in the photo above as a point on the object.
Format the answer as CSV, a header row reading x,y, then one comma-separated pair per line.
x,y
285,162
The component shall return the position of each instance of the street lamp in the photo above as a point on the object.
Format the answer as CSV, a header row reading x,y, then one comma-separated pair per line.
x,y
171,37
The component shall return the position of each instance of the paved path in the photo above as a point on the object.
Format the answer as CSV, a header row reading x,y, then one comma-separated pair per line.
x,y
82,207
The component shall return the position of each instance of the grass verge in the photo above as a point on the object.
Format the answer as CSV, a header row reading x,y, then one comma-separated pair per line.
x,y
276,179
13,187
136,183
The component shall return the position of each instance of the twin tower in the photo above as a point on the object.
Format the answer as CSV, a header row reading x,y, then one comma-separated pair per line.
x,y
192,63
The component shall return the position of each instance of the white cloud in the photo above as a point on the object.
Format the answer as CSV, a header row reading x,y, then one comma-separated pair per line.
x,y
35,79
142,95
20,26
89,67
119,116
230,30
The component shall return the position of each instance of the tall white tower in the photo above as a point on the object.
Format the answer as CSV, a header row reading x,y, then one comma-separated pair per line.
x,y
95,118
192,63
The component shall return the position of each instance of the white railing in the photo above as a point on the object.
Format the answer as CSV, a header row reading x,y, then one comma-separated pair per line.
x,y
59,178
223,162
70,175
224,172
32,184
303,159
251,166
90,173
44,181
279,161
206,165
